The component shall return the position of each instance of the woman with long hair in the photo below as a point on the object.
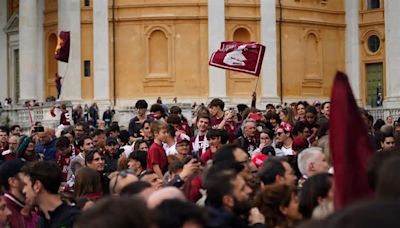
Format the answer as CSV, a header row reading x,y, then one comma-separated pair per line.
x,y
279,205
88,184
316,197
287,116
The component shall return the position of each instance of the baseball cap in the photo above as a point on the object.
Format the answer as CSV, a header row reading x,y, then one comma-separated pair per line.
x,y
254,116
287,127
10,169
316,103
111,140
299,143
259,159
182,138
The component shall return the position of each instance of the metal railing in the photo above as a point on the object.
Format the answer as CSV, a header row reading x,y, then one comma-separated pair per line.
x,y
382,113
25,116
20,114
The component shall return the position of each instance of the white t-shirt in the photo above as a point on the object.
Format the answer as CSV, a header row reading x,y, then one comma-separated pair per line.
x,y
127,150
171,150
287,151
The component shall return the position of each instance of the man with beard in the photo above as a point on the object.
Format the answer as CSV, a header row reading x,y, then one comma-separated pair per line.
x,y
85,144
11,181
12,148
228,200
99,139
112,154
15,130
230,156
47,144
41,184
4,212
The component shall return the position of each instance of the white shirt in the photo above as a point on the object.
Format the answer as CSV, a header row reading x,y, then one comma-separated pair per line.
x,y
287,151
127,150
171,150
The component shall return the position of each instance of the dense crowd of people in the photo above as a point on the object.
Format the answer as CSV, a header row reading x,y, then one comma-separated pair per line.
x,y
223,167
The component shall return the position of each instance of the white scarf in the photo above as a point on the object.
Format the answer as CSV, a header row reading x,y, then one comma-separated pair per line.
x,y
196,144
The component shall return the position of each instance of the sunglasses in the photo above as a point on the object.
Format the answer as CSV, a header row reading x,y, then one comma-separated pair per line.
x,y
279,133
122,174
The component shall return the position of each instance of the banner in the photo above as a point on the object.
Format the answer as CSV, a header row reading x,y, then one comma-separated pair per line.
x,y
351,149
245,57
62,49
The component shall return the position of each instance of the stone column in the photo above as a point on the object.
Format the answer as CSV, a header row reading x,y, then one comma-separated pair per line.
x,y
101,51
353,46
392,45
28,40
269,73
3,52
69,19
40,80
216,34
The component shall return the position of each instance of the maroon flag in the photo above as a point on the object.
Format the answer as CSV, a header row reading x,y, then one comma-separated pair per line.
x,y
239,56
62,50
350,146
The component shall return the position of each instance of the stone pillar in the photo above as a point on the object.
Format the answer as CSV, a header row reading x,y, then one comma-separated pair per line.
x,y
69,19
392,45
101,51
3,52
28,40
353,46
216,34
40,80
269,73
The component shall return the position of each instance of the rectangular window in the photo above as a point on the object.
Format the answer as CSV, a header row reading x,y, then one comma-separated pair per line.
x,y
86,64
373,4
87,2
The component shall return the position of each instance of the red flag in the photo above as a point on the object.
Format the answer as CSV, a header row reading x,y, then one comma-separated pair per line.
x,y
62,50
350,145
239,56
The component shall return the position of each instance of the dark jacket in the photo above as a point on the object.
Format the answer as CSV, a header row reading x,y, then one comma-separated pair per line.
x,y
48,150
63,216
222,218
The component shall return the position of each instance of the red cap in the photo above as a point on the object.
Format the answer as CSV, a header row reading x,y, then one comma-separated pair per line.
x,y
254,116
287,127
182,138
259,159
299,143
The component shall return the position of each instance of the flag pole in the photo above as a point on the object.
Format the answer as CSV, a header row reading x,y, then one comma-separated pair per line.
x,y
255,88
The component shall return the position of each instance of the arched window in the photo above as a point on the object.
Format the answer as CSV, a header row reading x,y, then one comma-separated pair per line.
x,y
242,35
158,52
313,58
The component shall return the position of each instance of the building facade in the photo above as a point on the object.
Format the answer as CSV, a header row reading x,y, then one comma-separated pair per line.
x,y
123,50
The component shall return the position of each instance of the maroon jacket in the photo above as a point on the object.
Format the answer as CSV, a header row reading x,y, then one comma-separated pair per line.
x,y
16,219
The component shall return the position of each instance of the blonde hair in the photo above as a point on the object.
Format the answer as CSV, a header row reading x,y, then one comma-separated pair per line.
x,y
157,125
289,113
